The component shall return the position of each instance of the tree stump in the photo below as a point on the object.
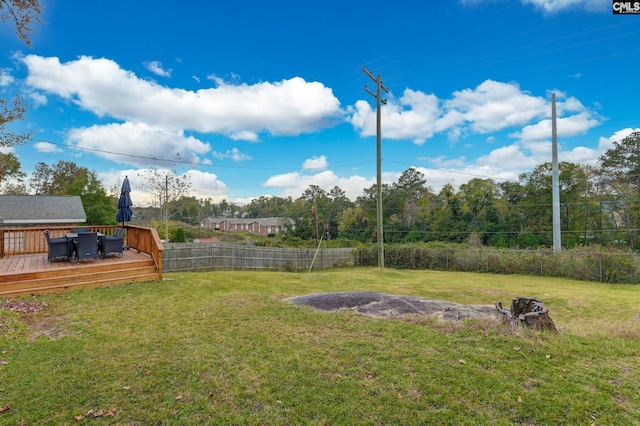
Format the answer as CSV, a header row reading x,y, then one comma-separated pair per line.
x,y
527,312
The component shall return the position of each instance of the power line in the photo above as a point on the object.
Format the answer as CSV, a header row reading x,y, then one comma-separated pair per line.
x,y
190,163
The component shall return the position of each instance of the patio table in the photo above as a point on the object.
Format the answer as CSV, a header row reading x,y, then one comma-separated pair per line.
x,y
71,236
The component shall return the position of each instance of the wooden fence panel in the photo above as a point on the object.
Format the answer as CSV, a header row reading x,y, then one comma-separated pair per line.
x,y
225,256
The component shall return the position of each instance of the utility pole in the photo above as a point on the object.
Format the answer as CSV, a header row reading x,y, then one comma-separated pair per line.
x,y
166,207
379,101
555,178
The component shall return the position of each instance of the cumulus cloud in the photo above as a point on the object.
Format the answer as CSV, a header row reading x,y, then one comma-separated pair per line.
x,y
46,147
287,107
6,79
156,68
207,185
412,116
493,106
293,184
315,163
138,144
490,107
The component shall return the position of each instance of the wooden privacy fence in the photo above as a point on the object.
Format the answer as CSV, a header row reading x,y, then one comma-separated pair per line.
x,y
219,256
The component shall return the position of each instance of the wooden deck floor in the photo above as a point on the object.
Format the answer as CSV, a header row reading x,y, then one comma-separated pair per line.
x,y
12,265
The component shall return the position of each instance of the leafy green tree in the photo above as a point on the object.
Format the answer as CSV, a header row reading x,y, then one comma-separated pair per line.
x,y
410,189
265,206
479,200
619,176
448,221
10,167
354,223
177,235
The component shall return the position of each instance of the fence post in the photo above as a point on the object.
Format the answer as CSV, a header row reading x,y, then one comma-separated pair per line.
x,y
601,270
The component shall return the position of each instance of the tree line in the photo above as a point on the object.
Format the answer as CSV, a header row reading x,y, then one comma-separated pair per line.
x,y
600,205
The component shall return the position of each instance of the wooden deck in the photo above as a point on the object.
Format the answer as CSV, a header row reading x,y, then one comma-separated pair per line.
x,y
34,274
24,268
24,263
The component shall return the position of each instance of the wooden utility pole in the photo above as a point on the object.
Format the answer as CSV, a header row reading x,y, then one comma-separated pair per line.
x,y
379,101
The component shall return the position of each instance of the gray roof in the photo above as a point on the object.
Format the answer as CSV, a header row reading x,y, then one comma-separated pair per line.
x,y
41,209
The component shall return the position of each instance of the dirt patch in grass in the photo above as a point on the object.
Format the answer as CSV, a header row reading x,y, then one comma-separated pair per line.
x,y
22,306
28,313
392,306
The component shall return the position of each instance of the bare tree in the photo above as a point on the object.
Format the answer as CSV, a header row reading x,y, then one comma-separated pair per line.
x,y
165,186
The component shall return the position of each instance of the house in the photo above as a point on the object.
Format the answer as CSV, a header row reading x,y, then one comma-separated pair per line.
x,y
263,227
18,211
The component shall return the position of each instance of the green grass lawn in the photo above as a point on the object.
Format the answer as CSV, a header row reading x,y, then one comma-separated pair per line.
x,y
226,348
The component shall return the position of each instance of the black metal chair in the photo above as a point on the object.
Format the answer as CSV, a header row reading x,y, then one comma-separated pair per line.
x,y
110,244
78,230
86,245
58,247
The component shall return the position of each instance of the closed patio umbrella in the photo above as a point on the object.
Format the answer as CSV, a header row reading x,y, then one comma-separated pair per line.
x,y
124,203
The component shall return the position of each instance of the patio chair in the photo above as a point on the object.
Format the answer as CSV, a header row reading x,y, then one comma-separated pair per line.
x,y
86,245
79,230
111,244
58,247
121,233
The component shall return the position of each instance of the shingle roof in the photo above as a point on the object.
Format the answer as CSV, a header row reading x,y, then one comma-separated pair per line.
x,y
36,209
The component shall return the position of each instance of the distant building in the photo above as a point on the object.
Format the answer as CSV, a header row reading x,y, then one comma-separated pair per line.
x,y
18,211
262,227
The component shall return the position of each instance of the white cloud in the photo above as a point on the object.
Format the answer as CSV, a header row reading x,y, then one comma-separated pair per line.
x,y
138,144
294,184
552,6
287,107
207,185
38,98
233,154
494,105
566,127
412,116
6,79
46,147
490,107
315,163
156,68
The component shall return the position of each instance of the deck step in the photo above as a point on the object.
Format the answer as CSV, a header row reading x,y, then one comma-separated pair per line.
x,y
61,279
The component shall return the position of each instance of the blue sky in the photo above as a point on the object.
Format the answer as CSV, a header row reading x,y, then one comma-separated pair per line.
x,y
254,98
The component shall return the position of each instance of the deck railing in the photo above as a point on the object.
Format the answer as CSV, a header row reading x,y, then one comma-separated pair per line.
x,y
15,241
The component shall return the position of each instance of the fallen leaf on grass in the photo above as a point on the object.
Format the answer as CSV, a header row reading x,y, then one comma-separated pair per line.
x,y
5,409
178,398
548,356
517,348
462,361
520,400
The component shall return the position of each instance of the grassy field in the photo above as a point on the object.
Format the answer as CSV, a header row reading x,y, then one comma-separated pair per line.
x,y
227,348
